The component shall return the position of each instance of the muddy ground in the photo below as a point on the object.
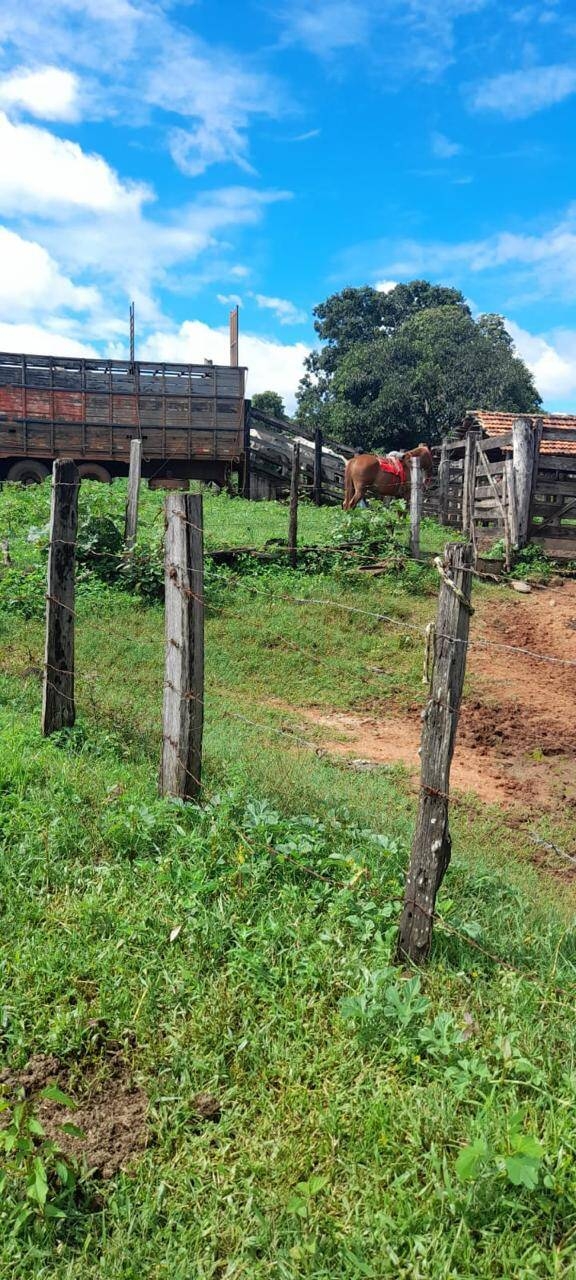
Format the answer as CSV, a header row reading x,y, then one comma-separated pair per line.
x,y
517,734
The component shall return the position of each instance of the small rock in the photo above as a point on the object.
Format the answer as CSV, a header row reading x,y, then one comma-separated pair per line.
x,y
522,587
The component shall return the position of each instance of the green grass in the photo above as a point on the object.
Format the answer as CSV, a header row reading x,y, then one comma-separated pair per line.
x,y
347,1092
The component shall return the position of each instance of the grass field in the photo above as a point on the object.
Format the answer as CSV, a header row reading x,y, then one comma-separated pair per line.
x,y
366,1121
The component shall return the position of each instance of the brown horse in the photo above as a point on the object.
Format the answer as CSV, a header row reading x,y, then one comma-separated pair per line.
x,y
363,473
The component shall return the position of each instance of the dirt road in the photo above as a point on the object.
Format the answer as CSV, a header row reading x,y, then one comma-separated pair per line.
x,y
517,735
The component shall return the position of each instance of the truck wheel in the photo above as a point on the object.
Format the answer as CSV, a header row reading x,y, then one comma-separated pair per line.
x,y
27,471
93,471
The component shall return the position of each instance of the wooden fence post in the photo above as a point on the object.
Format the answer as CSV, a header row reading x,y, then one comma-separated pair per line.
x,y
444,482
415,506
523,463
469,484
317,487
538,428
58,709
508,549
511,503
293,522
247,451
183,711
131,522
431,848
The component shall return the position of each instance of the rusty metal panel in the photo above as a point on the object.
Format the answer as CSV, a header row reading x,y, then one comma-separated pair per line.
x,y
184,411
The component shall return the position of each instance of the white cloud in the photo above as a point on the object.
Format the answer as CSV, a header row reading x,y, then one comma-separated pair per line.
x,y
30,280
442,147
78,31
42,173
285,311
552,359
39,341
518,94
218,94
414,37
273,366
50,93
536,265
229,299
305,137
385,286
138,61
194,150
324,26
140,255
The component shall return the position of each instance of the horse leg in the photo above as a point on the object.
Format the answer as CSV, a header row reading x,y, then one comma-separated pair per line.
x,y
359,497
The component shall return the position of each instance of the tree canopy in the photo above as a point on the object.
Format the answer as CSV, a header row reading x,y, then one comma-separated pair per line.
x,y
406,365
269,402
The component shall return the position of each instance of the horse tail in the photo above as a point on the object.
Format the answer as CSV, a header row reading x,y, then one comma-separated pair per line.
x,y
348,485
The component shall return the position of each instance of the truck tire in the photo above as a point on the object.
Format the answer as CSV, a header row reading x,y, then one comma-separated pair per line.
x,y
93,471
27,471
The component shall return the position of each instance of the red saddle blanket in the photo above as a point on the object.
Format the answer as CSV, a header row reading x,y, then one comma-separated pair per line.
x,y
396,468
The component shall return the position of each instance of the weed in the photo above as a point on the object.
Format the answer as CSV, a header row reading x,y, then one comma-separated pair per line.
x,y
38,1180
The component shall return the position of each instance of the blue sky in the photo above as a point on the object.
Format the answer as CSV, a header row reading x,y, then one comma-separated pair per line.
x,y
193,155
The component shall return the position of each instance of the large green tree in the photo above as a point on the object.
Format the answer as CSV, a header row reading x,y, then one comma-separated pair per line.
x,y
406,365
269,402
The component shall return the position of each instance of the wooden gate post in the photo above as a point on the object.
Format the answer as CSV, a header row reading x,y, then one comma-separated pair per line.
x,y
293,522
58,709
444,482
131,522
183,711
511,505
523,463
415,506
469,484
317,486
431,848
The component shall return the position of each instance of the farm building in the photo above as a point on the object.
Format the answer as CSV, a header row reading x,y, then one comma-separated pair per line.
x,y
470,489
493,424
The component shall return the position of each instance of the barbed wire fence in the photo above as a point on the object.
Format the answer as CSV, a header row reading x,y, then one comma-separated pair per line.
x,y
446,643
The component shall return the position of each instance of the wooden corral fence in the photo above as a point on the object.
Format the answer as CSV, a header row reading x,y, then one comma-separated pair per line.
x,y
518,485
269,461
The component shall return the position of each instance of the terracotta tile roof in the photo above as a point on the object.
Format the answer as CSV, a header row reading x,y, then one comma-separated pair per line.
x,y
498,424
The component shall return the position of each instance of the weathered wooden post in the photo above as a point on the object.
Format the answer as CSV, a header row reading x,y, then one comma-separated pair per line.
x,y
317,485
293,521
183,711
508,550
131,521
431,848
234,325
415,506
247,452
469,484
444,482
523,462
511,504
58,709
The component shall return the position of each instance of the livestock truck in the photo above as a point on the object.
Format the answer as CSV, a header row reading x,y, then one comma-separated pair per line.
x,y
190,418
